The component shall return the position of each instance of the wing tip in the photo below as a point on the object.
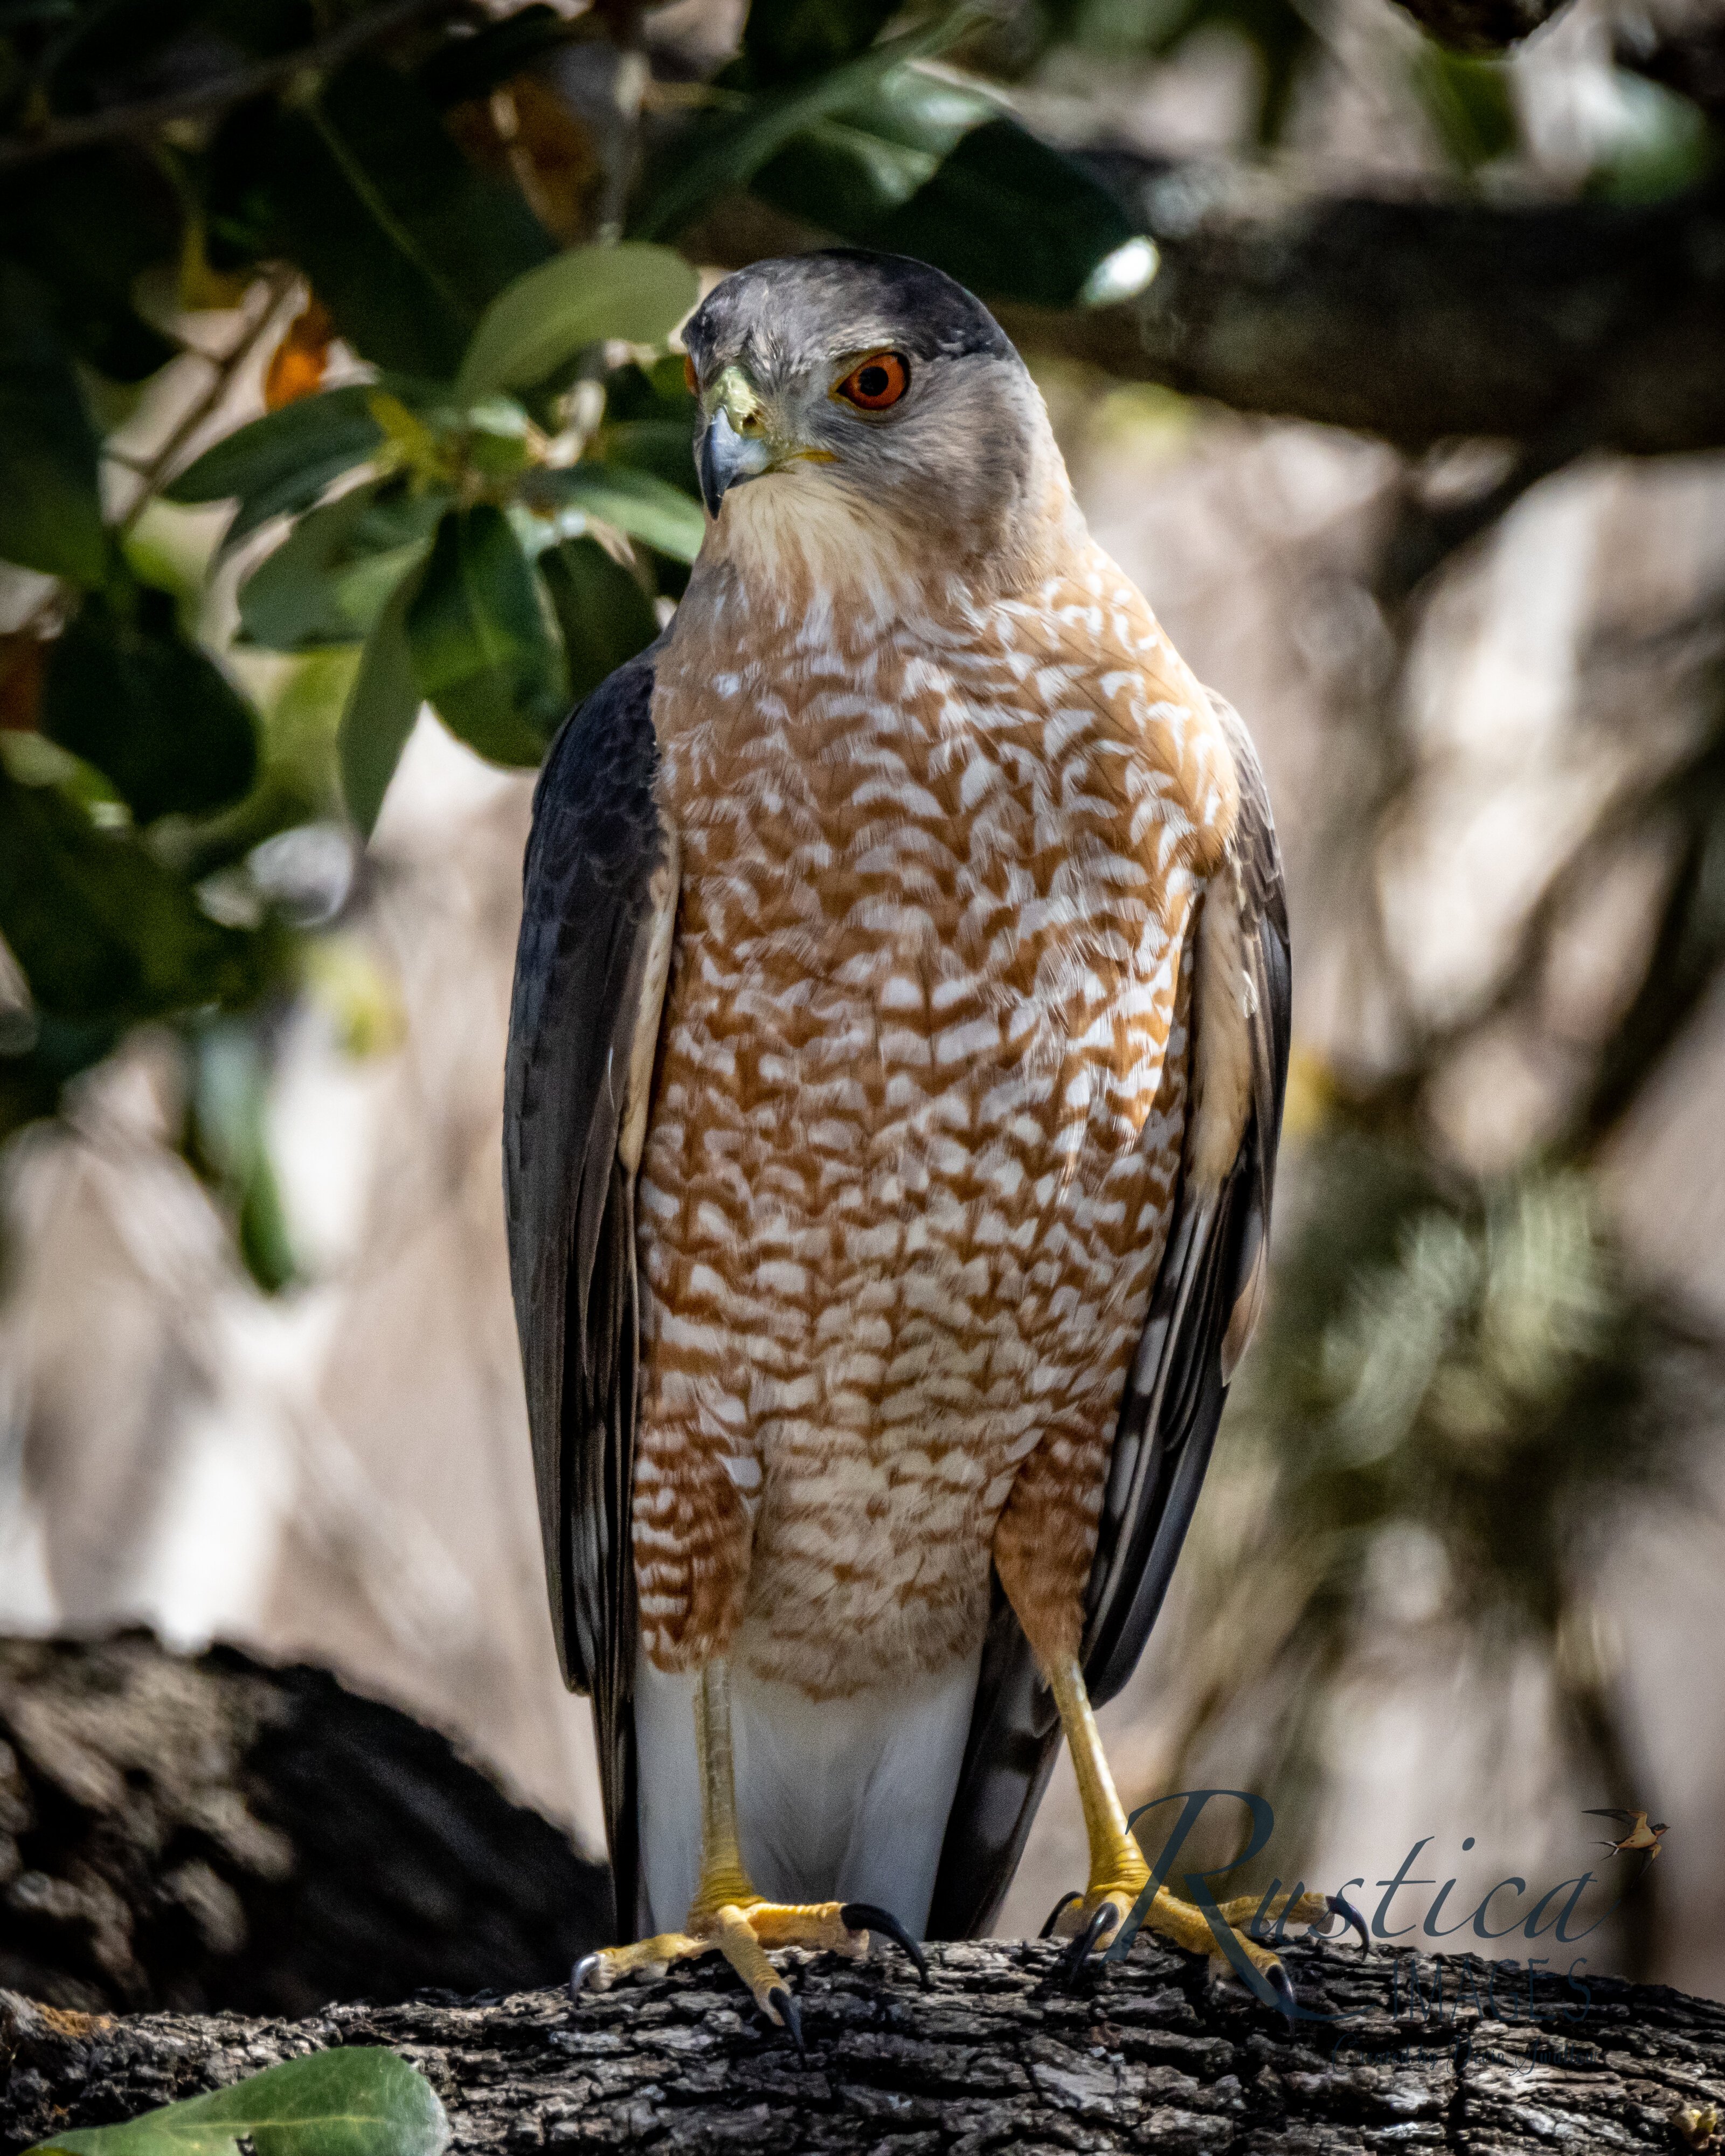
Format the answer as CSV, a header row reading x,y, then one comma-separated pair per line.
x,y
1243,1319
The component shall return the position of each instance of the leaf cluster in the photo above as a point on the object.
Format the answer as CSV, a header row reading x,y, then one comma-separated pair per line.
x,y
473,487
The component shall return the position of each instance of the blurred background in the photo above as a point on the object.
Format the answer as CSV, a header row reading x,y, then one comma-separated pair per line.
x,y
1387,345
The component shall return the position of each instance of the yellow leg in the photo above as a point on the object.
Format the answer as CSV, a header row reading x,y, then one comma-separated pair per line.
x,y
726,1913
1118,1873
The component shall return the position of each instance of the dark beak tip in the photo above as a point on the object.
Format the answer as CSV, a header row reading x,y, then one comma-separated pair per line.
x,y
712,486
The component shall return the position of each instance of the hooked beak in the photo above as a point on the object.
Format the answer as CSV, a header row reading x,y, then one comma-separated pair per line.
x,y
736,445
727,458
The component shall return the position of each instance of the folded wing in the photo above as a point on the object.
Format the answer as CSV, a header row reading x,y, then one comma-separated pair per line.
x,y
599,904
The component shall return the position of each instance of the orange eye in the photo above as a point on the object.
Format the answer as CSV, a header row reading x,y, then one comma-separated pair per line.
x,y
876,383
689,375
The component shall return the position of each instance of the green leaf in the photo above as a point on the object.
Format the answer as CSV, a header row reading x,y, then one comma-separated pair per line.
x,y
483,652
403,240
128,694
657,391
664,447
853,168
228,1143
605,616
1011,216
727,151
927,167
381,707
50,510
280,463
635,294
636,503
1469,103
650,424
262,455
289,602
356,2101
1661,145
105,932
328,580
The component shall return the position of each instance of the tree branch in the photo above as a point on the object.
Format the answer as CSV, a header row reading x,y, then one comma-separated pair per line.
x,y
211,1831
206,1830
1148,2055
1601,326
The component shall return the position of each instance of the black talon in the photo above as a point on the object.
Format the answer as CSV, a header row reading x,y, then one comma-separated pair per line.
x,y
1078,1953
780,1999
579,1975
1056,1914
1341,1906
864,1916
1282,1984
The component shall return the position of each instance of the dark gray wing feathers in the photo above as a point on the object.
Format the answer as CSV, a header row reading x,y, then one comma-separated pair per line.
x,y
581,973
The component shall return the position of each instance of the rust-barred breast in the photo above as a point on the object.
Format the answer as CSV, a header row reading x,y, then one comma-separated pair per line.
x,y
918,1116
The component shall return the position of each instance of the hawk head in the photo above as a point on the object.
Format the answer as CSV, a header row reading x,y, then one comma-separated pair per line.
x,y
857,408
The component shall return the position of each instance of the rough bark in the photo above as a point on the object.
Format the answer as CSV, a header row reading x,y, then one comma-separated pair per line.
x,y
211,1832
1150,2055
1580,325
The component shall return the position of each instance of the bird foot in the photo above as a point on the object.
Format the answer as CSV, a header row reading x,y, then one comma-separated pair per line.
x,y
742,1931
1090,1920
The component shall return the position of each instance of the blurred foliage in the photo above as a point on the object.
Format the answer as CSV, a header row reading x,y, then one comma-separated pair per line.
x,y
1466,1389
1467,1379
1468,105
1279,35
471,480
1661,145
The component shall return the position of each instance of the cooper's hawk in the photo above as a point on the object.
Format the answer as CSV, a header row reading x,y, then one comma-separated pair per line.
x,y
895,1075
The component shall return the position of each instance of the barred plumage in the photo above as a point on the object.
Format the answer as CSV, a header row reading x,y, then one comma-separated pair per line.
x,y
915,1139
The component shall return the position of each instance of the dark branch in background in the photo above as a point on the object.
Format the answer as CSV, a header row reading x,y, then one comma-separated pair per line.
x,y
1687,954
1481,26
219,93
1148,2056
1600,326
